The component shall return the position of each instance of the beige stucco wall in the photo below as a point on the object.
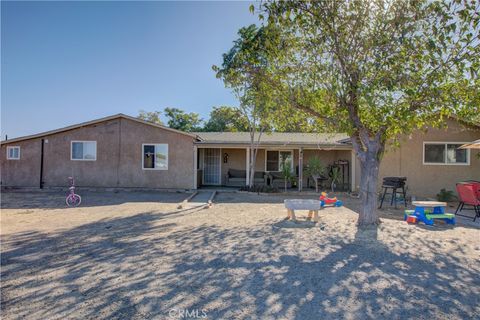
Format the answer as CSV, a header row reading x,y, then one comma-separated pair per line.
x,y
180,153
118,163
427,180
24,172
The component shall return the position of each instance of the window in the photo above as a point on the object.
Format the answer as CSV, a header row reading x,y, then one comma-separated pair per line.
x,y
155,156
445,153
13,153
272,161
84,150
275,160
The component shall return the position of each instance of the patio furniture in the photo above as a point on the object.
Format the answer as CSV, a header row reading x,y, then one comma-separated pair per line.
x,y
277,180
238,178
394,183
302,204
427,211
468,194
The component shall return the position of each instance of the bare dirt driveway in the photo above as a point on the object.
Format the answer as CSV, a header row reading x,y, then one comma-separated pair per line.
x,y
136,256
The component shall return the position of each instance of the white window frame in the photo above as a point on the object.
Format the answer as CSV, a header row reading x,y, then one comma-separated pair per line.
x,y
446,147
8,152
279,159
71,150
143,160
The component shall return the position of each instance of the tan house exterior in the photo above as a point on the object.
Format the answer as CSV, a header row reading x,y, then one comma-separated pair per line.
x,y
123,146
426,179
118,162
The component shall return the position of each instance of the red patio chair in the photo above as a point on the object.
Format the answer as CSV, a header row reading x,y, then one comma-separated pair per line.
x,y
469,194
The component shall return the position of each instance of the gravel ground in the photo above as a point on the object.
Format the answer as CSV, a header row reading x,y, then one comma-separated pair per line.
x,y
136,256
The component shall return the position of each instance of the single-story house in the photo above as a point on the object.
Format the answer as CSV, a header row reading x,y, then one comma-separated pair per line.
x,y
125,152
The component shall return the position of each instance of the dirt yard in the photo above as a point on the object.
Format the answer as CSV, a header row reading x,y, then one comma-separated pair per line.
x,y
136,256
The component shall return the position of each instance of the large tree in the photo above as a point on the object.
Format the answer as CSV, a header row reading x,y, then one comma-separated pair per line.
x,y
226,118
151,116
375,69
180,120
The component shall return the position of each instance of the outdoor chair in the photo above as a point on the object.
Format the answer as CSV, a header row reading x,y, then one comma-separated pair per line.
x,y
238,178
468,194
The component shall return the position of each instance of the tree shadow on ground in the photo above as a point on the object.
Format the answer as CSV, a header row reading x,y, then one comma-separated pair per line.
x,y
144,266
56,199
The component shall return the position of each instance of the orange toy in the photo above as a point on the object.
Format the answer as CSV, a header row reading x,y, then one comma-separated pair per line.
x,y
412,219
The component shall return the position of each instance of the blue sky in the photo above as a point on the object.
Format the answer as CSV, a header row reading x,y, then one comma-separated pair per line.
x,y
68,62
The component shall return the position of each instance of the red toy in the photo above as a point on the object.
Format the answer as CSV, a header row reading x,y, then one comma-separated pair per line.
x,y
411,219
329,201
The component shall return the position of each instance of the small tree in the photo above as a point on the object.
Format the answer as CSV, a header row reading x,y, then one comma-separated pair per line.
x,y
334,177
287,172
315,169
243,70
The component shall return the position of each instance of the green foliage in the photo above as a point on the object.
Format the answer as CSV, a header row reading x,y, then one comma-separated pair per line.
x,y
334,177
226,119
374,69
377,69
180,120
150,116
245,70
287,173
315,167
445,195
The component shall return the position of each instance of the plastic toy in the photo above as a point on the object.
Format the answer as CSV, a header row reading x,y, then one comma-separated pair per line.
x,y
325,200
427,215
412,219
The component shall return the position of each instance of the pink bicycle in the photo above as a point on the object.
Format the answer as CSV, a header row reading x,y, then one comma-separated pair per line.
x,y
73,199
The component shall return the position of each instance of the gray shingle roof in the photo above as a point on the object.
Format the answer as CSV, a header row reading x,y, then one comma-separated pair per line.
x,y
275,138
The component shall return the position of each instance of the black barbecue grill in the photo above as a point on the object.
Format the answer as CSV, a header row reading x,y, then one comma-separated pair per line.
x,y
394,183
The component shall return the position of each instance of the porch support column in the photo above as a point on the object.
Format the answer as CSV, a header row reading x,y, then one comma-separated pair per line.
x,y
247,164
353,164
300,169
195,165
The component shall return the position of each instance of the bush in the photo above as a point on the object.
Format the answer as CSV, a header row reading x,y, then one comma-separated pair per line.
x,y
258,189
445,195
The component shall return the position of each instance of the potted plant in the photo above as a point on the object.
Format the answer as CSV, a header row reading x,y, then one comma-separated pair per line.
x,y
287,173
315,169
335,177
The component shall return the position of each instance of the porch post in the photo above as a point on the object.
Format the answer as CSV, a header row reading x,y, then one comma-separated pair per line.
x,y
300,169
195,165
247,164
353,170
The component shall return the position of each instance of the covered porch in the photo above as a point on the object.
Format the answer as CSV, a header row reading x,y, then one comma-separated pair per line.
x,y
227,166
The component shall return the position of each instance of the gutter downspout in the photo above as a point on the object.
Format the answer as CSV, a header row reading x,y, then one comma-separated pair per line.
x,y
41,164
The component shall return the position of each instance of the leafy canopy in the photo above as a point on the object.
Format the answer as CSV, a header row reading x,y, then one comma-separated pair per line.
x,y
226,119
180,120
376,69
150,116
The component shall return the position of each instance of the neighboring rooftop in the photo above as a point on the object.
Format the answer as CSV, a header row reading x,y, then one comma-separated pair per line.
x,y
275,138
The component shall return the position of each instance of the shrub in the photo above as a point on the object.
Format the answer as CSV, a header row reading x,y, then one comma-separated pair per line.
x,y
445,195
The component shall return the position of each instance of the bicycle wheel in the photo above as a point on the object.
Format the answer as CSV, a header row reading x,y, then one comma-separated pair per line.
x,y
73,200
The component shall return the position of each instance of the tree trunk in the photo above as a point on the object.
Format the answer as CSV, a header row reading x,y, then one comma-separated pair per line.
x,y
368,189
253,156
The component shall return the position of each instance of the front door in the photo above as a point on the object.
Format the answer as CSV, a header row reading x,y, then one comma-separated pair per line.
x,y
211,167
